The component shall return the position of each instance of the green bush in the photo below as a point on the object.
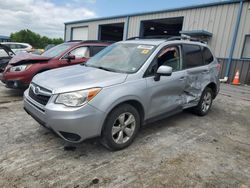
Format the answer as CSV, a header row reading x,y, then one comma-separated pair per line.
x,y
34,39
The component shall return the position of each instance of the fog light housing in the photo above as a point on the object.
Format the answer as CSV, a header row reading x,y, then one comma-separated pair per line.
x,y
70,136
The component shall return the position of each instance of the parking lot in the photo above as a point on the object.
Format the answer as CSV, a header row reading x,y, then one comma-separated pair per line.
x,y
182,151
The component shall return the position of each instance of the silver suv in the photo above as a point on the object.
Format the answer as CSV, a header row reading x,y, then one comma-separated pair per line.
x,y
124,86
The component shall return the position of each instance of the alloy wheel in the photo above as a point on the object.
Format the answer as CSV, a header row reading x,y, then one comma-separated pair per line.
x,y
206,103
123,128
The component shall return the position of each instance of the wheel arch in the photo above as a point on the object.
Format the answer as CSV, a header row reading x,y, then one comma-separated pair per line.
x,y
133,102
213,87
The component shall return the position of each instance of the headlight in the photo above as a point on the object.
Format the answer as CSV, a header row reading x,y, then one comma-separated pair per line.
x,y
19,68
77,98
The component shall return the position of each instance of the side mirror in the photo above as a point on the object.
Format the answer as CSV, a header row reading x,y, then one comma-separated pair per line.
x,y
163,71
70,57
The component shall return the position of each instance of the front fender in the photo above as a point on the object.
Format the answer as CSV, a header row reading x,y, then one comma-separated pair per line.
x,y
112,96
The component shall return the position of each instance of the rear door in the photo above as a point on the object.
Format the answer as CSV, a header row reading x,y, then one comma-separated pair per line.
x,y
165,95
197,72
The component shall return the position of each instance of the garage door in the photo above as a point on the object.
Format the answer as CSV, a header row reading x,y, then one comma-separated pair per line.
x,y
112,32
80,33
161,27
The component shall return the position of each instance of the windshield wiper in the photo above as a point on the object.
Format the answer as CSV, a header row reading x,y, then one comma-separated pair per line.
x,y
106,69
102,68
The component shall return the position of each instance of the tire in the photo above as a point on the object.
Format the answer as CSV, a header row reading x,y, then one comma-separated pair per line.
x,y
117,134
205,102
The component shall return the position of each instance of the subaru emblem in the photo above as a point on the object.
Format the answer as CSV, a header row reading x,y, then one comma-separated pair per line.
x,y
36,90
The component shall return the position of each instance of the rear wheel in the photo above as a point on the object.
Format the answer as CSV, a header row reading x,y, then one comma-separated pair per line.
x,y
205,102
121,127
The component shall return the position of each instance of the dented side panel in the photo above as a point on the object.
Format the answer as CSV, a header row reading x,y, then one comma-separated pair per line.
x,y
197,79
194,84
165,95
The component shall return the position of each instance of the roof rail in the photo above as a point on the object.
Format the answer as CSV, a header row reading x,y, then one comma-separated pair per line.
x,y
133,38
74,41
168,38
185,38
151,37
98,41
92,41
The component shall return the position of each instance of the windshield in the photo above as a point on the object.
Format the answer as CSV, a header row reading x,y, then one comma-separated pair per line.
x,y
57,50
122,57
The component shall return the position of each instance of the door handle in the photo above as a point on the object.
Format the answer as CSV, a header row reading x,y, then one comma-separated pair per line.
x,y
205,71
182,78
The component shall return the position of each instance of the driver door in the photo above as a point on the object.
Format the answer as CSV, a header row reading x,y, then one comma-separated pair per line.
x,y
81,55
165,95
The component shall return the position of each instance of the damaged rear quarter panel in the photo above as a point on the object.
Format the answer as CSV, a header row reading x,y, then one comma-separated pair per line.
x,y
197,79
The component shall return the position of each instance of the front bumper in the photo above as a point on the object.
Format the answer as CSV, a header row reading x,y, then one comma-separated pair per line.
x,y
72,124
16,80
15,84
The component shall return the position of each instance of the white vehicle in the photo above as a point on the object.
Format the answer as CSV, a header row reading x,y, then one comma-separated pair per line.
x,y
18,47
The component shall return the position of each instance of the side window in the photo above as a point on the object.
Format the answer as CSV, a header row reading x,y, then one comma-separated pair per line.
x,y
13,46
20,46
169,56
81,52
207,56
192,56
96,49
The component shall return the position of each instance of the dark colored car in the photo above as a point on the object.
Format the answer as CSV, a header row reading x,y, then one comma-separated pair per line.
x,y
5,55
23,67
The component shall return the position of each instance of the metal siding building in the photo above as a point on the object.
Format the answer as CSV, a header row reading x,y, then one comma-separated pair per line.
x,y
219,19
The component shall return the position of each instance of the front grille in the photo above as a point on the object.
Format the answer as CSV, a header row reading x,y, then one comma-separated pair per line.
x,y
42,99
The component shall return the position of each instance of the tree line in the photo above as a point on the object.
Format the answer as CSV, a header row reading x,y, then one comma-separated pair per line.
x,y
34,39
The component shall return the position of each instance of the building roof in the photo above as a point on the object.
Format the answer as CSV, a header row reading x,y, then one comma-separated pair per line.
x,y
160,11
4,37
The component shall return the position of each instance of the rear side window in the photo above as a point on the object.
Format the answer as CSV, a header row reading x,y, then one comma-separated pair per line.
x,y
96,49
192,56
21,46
207,55
13,46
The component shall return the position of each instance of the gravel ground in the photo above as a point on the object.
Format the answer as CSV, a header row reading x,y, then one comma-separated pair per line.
x,y
181,151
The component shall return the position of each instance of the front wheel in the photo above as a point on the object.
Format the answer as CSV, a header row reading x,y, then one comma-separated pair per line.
x,y
205,102
121,127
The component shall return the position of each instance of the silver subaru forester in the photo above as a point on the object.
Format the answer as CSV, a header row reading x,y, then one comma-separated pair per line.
x,y
124,86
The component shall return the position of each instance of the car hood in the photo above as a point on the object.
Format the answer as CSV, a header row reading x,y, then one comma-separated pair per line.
x,y
77,77
26,58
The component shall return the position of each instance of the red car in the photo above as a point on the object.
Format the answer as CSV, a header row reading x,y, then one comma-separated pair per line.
x,y
23,67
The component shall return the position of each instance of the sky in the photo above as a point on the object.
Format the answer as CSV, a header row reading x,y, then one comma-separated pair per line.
x,y
47,17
